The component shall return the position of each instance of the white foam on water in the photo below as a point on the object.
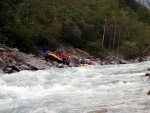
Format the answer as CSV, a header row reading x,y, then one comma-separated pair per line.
x,y
117,88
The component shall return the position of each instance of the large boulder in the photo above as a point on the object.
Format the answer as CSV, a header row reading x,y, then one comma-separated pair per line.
x,y
18,56
37,64
11,69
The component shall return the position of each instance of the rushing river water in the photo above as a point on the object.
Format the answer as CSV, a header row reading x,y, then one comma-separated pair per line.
x,y
117,88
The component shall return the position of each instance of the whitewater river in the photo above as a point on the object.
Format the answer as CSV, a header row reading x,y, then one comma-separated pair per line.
x,y
117,88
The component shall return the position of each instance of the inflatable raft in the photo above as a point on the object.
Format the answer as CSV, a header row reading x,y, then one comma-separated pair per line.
x,y
54,57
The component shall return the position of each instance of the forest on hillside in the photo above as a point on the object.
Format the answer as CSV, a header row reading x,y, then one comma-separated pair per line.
x,y
98,26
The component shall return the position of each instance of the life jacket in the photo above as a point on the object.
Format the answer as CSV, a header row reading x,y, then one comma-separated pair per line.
x,y
69,57
88,61
63,55
55,53
79,61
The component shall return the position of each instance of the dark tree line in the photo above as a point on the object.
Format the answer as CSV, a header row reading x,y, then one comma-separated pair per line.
x,y
97,26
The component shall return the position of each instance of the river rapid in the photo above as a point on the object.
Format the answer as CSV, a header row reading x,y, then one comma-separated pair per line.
x,y
117,88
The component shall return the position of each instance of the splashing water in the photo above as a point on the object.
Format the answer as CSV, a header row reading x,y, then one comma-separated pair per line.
x,y
117,88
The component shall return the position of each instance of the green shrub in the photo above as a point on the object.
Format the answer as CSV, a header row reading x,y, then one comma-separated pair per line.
x,y
129,49
96,49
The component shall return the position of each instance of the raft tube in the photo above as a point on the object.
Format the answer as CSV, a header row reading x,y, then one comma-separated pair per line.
x,y
82,65
55,58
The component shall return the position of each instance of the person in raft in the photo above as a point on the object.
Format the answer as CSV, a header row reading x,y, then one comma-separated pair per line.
x,y
46,53
63,56
82,61
68,59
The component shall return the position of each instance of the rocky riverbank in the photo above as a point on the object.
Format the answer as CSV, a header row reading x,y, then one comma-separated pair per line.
x,y
12,60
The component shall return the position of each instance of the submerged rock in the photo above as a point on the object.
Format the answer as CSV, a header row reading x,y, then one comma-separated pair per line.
x,y
147,73
100,111
148,93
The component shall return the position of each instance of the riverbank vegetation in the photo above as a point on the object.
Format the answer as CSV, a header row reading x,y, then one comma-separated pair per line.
x,y
97,26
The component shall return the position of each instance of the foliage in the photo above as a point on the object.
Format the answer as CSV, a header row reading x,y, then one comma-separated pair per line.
x,y
129,49
96,49
99,25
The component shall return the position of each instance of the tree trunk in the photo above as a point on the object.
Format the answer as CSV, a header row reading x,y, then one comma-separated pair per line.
x,y
55,11
119,39
114,39
104,32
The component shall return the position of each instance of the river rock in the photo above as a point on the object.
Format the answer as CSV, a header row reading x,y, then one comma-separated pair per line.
x,y
54,63
147,73
1,71
18,56
121,61
60,65
72,64
35,64
11,69
148,93
15,49
2,63
100,111
24,67
2,49
81,53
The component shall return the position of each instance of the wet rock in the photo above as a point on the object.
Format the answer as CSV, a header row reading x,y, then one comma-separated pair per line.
x,y
66,66
148,93
55,63
148,69
71,64
100,111
147,73
60,65
48,64
98,60
33,68
11,69
8,70
121,61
